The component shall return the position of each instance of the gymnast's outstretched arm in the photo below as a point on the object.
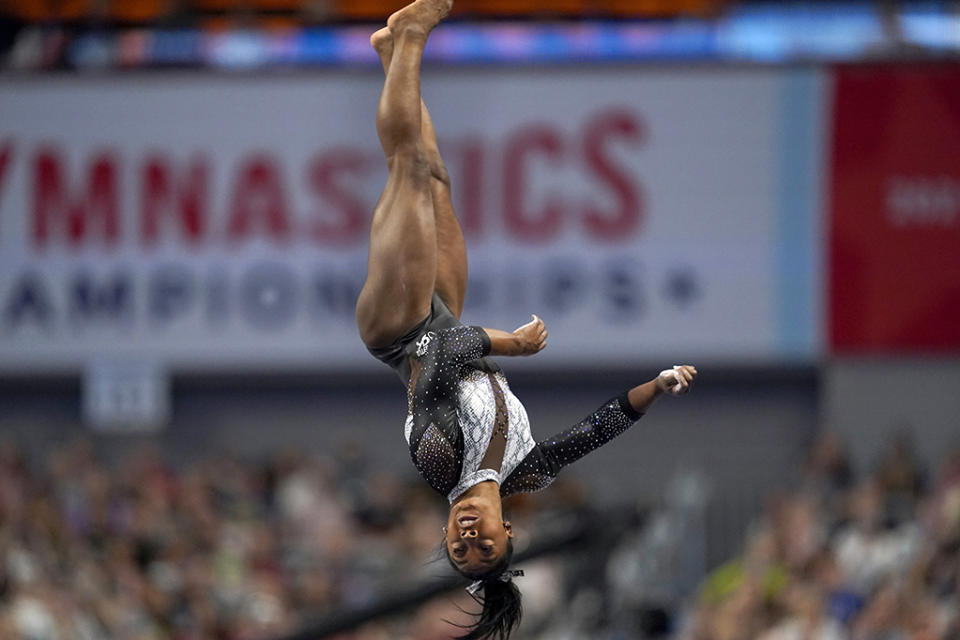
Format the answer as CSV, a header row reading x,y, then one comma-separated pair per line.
x,y
543,463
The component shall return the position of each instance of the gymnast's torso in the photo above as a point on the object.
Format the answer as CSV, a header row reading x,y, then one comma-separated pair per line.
x,y
457,412
460,407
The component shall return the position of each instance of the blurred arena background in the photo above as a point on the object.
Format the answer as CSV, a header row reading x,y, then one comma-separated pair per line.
x,y
194,443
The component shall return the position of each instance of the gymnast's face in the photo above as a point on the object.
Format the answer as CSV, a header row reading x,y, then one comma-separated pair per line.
x,y
476,535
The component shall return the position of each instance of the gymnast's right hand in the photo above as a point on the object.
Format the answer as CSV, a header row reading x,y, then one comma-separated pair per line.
x,y
531,337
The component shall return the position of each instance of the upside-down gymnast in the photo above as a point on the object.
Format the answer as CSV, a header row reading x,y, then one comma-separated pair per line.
x,y
469,436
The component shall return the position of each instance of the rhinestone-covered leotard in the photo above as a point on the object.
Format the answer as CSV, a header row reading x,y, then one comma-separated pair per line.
x,y
452,410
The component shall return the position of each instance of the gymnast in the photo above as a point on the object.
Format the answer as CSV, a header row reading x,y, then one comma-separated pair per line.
x,y
468,435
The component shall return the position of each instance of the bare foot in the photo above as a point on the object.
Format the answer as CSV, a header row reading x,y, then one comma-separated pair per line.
x,y
382,43
420,16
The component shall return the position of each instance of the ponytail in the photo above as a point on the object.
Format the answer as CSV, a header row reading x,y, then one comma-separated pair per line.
x,y
502,609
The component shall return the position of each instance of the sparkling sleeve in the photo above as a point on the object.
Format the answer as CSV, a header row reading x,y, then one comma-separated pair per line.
x,y
538,469
463,344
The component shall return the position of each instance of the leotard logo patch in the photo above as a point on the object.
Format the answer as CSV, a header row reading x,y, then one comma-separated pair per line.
x,y
424,343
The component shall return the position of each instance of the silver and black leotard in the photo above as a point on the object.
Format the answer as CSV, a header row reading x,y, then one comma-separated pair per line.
x,y
459,402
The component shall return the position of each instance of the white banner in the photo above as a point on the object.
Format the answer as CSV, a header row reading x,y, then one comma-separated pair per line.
x,y
220,223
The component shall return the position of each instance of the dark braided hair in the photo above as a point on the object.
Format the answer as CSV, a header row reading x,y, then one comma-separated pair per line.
x,y
501,601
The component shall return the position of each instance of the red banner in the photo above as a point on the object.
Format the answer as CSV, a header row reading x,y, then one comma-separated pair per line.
x,y
895,210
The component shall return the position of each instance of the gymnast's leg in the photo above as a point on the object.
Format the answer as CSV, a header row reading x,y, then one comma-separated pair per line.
x,y
451,273
402,264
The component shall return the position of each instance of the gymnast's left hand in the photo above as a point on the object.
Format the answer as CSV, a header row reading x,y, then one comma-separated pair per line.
x,y
532,337
678,380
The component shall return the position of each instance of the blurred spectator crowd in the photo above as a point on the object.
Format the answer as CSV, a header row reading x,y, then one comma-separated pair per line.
x,y
228,548
841,557
221,550
231,549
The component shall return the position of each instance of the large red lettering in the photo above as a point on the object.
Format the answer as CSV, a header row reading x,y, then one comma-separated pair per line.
x,y
470,187
324,175
258,203
543,141
52,204
5,152
163,195
625,217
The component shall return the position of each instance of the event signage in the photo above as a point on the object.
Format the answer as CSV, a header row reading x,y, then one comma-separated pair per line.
x,y
895,210
221,223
